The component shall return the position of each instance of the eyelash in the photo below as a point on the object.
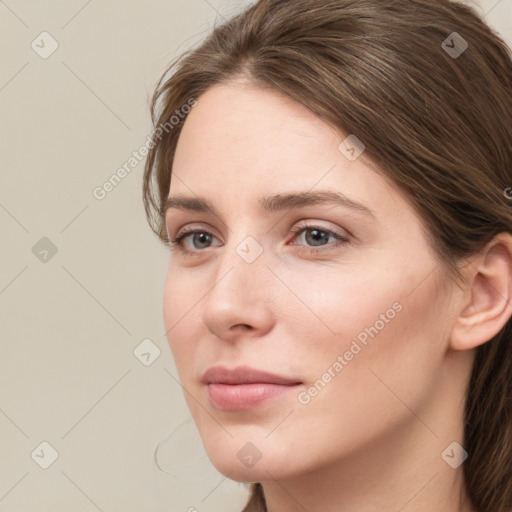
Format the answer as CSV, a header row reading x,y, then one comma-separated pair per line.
x,y
341,240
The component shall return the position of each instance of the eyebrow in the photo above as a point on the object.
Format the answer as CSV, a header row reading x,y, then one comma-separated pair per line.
x,y
269,204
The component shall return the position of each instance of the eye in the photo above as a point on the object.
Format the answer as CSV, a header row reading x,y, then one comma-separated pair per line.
x,y
318,234
179,241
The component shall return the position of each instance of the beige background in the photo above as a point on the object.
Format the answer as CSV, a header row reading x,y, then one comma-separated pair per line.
x,y
69,325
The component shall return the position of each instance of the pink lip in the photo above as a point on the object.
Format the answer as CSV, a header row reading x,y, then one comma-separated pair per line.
x,y
243,387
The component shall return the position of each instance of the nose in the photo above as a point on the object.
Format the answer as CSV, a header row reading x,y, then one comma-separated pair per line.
x,y
239,303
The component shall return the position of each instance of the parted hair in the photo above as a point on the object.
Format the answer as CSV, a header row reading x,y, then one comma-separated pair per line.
x,y
426,85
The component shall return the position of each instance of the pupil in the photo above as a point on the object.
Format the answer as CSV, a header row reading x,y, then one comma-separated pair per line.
x,y
203,237
316,234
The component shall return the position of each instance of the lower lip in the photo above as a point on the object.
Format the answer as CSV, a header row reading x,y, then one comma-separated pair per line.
x,y
239,397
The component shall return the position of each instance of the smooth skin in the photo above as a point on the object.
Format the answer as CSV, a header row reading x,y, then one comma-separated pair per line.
x,y
371,440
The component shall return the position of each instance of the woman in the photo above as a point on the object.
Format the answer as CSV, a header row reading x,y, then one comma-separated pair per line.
x,y
333,179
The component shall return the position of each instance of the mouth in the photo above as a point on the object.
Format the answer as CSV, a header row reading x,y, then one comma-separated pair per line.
x,y
243,388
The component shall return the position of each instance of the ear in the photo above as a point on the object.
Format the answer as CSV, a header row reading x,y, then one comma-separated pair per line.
x,y
488,305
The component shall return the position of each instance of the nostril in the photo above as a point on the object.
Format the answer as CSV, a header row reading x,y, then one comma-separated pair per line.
x,y
242,326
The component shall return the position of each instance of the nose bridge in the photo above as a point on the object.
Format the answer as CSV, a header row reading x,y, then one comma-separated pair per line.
x,y
240,286
241,266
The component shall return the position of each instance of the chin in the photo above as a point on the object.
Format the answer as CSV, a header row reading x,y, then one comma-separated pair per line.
x,y
260,472
242,475
247,462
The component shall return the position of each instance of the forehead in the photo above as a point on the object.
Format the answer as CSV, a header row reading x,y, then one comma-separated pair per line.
x,y
243,125
241,143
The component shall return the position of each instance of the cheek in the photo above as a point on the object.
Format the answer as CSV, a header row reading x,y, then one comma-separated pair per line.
x,y
334,305
181,299
369,326
173,297
381,381
180,311
391,355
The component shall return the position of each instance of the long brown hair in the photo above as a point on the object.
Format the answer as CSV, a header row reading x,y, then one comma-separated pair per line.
x,y
434,110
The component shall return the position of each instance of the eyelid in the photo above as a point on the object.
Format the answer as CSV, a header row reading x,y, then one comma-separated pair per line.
x,y
192,228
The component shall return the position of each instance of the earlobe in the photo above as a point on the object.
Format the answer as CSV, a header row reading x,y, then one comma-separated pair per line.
x,y
488,303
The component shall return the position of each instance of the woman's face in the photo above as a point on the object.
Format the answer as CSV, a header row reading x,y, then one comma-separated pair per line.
x,y
355,328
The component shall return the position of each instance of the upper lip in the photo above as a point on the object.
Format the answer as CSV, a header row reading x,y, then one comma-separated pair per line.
x,y
244,375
